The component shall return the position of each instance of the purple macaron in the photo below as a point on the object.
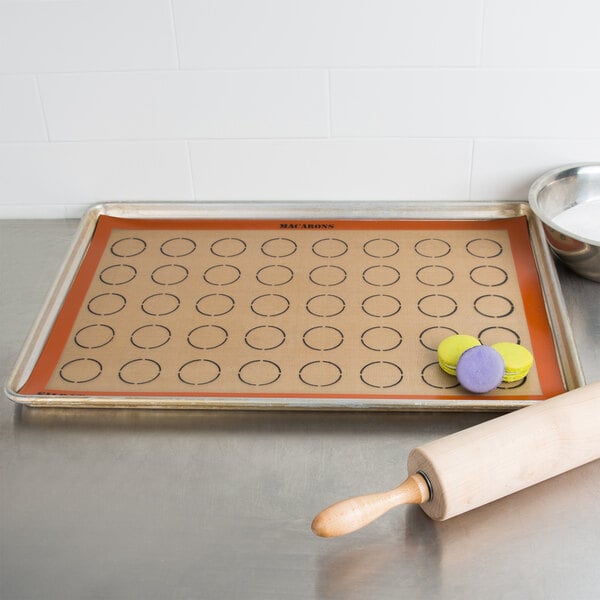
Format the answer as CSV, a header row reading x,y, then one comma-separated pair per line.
x,y
480,369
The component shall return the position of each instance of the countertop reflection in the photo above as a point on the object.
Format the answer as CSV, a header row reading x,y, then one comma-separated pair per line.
x,y
127,504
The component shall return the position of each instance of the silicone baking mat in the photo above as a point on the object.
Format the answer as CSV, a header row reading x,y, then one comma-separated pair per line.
x,y
205,309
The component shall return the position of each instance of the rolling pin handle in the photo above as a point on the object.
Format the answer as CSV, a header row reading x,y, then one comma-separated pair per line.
x,y
352,514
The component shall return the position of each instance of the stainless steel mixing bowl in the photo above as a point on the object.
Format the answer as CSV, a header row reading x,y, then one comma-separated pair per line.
x,y
558,191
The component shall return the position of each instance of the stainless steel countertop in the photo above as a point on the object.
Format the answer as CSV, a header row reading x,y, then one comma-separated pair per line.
x,y
124,504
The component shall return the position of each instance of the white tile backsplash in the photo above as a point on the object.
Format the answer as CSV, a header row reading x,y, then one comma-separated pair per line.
x,y
90,35
72,174
545,103
403,102
327,33
553,33
504,169
21,118
469,102
186,105
291,100
331,169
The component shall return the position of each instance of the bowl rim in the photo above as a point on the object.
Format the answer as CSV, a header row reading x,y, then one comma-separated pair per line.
x,y
553,175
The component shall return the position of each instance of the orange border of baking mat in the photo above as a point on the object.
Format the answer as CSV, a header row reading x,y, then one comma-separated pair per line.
x,y
540,331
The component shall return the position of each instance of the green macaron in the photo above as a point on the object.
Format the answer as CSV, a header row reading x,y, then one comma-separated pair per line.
x,y
451,349
517,360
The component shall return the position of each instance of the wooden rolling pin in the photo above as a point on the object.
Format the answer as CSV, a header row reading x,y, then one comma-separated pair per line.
x,y
470,468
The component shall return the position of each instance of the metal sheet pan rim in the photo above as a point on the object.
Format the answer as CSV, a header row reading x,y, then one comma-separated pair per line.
x,y
371,210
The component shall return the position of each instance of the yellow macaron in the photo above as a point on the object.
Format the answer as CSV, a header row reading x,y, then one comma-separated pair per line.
x,y
517,360
451,349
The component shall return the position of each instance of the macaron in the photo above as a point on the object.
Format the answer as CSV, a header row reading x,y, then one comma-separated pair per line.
x,y
451,348
480,369
517,360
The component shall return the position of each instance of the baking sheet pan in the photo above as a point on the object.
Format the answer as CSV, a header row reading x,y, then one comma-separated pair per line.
x,y
294,306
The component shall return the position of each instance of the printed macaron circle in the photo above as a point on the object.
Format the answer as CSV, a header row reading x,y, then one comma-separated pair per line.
x,y
491,335
512,385
201,371
150,336
169,274
274,275
381,248
432,248
207,337
118,274
381,305
270,305
494,305
330,248
381,338
127,247
259,372
106,304
215,305
320,373
381,374
94,336
80,370
228,247
279,247
159,305
381,275
323,338
179,246
484,248
265,337
434,377
325,305
328,275
435,275
437,305
222,275
431,337
488,275
139,371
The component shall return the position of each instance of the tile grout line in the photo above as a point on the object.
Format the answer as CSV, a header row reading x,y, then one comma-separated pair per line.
x,y
481,35
471,163
299,140
175,39
329,105
317,68
42,108
190,169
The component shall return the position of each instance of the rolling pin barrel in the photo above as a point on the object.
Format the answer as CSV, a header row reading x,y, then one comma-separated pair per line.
x,y
470,468
501,456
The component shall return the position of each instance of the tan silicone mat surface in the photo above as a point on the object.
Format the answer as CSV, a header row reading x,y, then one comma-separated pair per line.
x,y
352,309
